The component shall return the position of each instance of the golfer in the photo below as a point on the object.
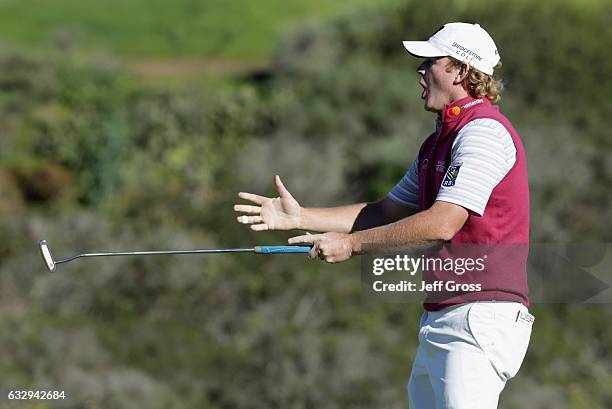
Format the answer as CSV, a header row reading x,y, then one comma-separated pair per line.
x,y
468,184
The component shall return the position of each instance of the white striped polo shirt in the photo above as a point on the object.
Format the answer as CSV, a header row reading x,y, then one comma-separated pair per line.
x,y
484,150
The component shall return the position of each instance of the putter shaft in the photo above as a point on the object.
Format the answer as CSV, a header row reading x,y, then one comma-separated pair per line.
x,y
155,253
51,263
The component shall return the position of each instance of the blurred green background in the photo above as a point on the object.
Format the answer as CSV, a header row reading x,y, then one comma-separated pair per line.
x,y
133,124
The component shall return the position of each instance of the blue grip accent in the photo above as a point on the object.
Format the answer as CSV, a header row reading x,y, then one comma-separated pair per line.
x,y
282,249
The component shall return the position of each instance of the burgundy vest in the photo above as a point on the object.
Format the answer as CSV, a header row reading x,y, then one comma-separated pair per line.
x,y
502,232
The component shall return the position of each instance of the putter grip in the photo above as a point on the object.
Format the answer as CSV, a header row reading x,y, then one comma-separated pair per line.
x,y
281,249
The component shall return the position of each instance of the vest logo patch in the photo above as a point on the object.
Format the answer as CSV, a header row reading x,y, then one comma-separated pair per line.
x,y
455,110
451,175
471,104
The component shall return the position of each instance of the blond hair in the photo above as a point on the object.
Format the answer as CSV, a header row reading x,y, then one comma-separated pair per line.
x,y
478,84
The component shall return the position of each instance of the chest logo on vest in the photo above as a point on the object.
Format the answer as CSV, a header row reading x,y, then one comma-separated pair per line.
x,y
451,175
441,166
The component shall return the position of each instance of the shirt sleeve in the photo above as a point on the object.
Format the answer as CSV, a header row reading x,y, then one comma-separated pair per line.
x,y
406,191
482,154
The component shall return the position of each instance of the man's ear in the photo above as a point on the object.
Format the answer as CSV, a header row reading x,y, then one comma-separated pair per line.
x,y
462,74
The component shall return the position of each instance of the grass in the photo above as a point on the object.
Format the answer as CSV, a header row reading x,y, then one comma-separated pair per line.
x,y
228,29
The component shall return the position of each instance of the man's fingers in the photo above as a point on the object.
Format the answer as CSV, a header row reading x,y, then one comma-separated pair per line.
x,y
282,191
247,209
249,219
252,197
308,238
314,252
259,227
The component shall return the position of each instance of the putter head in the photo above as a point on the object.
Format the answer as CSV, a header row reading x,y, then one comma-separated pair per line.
x,y
46,253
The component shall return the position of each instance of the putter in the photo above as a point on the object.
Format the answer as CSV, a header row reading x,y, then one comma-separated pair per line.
x,y
52,264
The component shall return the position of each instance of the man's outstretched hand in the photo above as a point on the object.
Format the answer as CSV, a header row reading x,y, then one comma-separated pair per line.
x,y
279,213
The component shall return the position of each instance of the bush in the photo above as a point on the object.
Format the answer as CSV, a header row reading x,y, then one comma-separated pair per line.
x,y
91,160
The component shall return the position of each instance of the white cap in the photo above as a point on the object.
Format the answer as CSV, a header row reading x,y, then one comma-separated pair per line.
x,y
465,42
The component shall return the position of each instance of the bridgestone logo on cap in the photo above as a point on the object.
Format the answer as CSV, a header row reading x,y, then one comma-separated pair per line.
x,y
467,51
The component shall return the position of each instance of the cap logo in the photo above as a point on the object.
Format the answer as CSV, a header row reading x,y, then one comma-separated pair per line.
x,y
455,110
463,51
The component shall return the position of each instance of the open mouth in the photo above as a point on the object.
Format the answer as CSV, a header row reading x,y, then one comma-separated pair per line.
x,y
424,93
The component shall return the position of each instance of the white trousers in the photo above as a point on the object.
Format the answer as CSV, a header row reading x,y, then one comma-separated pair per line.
x,y
466,354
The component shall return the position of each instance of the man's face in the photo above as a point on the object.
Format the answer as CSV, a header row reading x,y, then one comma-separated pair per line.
x,y
437,81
